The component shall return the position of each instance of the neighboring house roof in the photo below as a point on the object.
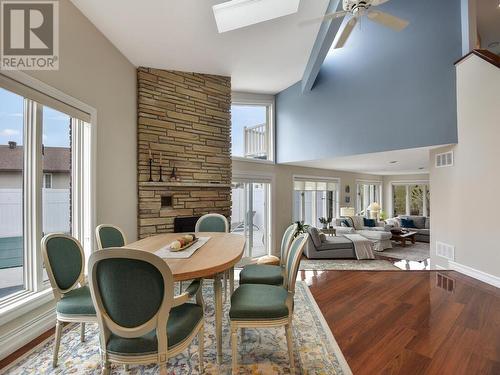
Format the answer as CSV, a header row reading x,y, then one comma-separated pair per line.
x,y
55,159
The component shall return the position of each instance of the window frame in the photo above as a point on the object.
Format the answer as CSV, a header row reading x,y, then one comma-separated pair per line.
x,y
408,184
336,180
380,185
266,178
249,99
36,292
44,182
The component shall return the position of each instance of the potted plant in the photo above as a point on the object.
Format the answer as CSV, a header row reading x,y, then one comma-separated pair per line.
x,y
325,221
301,228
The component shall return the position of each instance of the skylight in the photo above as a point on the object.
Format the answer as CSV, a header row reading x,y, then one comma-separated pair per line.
x,y
236,14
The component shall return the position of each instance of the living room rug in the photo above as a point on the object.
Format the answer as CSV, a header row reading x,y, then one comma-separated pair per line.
x,y
417,252
262,351
346,265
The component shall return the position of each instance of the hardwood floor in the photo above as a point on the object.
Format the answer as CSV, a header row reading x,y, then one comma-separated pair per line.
x,y
411,322
403,322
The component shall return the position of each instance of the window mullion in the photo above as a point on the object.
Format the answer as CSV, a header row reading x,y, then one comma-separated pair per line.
x,y
33,194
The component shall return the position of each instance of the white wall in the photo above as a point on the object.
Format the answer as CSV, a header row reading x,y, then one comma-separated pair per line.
x,y
464,198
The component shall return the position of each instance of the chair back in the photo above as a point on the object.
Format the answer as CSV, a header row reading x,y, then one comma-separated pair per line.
x,y
286,241
293,261
64,261
108,235
132,291
212,223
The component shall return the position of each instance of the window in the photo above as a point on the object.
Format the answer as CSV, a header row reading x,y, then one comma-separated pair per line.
x,y
411,199
250,215
367,193
45,174
252,127
47,181
11,193
313,199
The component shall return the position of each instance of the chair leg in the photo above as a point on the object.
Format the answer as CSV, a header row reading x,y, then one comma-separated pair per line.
x,y
224,280
57,341
106,368
234,346
127,368
163,368
82,332
289,341
231,281
180,287
201,347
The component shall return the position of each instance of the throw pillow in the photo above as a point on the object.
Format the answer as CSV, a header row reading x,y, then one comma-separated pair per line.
x,y
370,223
314,233
407,223
345,223
322,237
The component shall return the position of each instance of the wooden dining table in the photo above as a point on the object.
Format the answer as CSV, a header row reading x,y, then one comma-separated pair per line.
x,y
218,255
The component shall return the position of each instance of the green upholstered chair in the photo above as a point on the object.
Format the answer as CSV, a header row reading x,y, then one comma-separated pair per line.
x,y
65,262
140,320
264,306
217,223
266,273
108,235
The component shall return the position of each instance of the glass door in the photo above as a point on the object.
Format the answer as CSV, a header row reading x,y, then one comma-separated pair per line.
x,y
250,215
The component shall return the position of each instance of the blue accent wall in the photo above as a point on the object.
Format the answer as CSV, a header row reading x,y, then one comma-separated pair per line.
x,y
383,91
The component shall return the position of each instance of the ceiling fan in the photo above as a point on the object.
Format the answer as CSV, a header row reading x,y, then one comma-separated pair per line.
x,y
358,9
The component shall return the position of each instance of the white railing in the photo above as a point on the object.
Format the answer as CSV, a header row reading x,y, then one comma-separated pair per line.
x,y
256,141
56,211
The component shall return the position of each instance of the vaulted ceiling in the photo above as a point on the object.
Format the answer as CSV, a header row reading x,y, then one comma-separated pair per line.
x,y
182,35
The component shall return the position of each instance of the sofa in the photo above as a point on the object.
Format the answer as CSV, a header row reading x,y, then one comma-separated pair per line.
x,y
320,246
380,234
421,225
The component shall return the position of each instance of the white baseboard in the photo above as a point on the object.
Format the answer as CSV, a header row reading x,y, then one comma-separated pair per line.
x,y
26,332
476,274
440,268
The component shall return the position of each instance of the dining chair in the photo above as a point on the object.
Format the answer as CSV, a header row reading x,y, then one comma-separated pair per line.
x,y
140,320
267,273
217,223
64,261
267,306
108,235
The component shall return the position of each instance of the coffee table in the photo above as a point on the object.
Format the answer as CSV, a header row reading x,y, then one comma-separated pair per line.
x,y
403,237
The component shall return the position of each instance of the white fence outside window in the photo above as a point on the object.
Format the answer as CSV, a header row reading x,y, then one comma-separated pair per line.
x,y
56,211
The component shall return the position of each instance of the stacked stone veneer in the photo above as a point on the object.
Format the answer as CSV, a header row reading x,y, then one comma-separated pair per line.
x,y
185,118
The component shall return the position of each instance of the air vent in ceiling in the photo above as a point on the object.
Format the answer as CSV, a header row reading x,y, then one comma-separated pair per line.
x,y
444,160
445,251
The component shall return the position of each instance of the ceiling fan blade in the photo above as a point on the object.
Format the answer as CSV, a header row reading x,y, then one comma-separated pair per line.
x,y
326,17
387,20
378,2
346,32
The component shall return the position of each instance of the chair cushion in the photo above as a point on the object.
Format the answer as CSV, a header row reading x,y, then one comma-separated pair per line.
x,y
111,237
261,274
258,302
336,242
76,302
181,322
370,223
407,223
314,233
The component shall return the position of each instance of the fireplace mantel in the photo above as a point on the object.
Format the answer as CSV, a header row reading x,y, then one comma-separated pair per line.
x,y
184,184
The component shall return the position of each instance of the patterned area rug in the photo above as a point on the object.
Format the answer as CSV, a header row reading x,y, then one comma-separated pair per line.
x,y
262,351
346,264
417,252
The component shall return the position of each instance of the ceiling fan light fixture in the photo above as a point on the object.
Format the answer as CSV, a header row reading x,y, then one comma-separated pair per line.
x,y
235,14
